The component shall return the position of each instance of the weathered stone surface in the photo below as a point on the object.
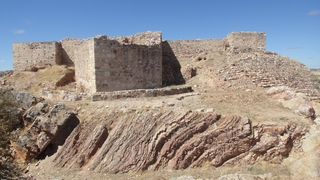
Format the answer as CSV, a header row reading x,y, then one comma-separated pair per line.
x,y
306,165
30,115
81,145
316,107
11,106
66,78
96,97
72,96
42,131
41,53
277,90
300,106
5,73
298,102
42,107
176,141
25,99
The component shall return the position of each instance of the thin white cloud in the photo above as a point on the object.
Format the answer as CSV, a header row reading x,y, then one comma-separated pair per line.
x,y
1,61
27,21
294,48
314,12
20,31
310,57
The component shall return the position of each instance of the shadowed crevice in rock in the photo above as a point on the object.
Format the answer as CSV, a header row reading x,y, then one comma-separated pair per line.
x,y
46,132
59,140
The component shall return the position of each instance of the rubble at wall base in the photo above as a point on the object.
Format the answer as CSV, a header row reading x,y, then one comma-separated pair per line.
x,y
137,93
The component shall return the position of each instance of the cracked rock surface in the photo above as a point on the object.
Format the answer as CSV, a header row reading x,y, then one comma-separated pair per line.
x,y
175,140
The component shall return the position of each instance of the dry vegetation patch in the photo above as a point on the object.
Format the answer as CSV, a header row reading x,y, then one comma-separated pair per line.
x,y
55,77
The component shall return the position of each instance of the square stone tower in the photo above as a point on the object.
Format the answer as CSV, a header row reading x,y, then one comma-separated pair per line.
x,y
105,63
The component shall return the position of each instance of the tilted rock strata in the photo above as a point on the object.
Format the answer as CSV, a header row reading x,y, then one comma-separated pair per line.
x,y
175,141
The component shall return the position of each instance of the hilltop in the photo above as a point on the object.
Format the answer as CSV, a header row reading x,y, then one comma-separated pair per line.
x,y
250,112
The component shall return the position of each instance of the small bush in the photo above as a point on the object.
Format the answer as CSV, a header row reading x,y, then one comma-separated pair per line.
x,y
9,121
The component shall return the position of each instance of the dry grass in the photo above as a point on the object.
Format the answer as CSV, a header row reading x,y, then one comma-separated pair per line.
x,y
317,73
43,78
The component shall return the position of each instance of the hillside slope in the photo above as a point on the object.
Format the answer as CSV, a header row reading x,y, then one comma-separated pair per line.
x,y
229,120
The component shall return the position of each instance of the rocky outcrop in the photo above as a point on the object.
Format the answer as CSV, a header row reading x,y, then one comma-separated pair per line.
x,y
66,78
44,129
306,165
82,144
298,102
5,73
175,141
24,99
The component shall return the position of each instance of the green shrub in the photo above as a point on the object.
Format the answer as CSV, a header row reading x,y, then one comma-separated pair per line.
x,y
9,121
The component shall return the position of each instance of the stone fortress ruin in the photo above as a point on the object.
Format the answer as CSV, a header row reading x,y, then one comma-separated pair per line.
x,y
141,61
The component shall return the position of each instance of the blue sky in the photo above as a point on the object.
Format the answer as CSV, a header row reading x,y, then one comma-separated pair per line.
x,y
292,26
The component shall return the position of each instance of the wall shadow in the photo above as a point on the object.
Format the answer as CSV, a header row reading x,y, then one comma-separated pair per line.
x,y
65,59
171,68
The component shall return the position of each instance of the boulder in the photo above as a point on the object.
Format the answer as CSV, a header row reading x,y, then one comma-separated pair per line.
x,y
316,107
43,130
300,106
306,166
24,99
278,89
42,107
96,97
10,108
297,102
30,115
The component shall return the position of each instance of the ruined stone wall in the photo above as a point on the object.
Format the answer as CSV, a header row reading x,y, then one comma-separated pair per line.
x,y
242,40
85,66
133,62
68,55
177,54
188,49
29,55
139,61
122,94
